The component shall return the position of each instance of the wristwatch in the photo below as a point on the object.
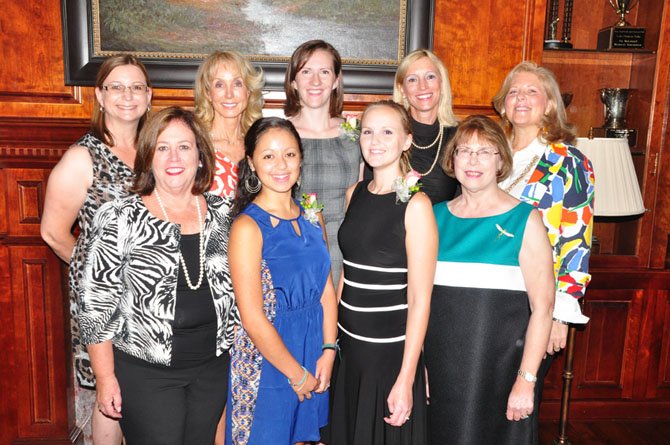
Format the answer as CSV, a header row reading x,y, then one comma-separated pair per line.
x,y
527,376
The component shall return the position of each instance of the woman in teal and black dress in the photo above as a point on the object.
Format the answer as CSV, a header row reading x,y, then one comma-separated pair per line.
x,y
492,299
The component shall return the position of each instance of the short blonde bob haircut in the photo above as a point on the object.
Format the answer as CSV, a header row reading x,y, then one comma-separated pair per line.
x,y
445,113
554,126
486,130
253,80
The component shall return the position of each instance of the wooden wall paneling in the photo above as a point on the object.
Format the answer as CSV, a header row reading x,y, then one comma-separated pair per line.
x,y
656,228
8,367
480,42
32,78
25,192
40,345
661,385
605,353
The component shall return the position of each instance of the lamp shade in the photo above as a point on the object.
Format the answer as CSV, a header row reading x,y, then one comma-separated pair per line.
x,y
617,192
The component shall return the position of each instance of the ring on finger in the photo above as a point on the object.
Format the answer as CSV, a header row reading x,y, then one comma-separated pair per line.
x,y
524,417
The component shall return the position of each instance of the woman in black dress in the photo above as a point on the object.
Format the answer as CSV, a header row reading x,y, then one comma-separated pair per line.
x,y
387,238
422,87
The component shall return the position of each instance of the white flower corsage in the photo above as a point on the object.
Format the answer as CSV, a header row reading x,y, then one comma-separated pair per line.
x,y
405,187
312,207
351,127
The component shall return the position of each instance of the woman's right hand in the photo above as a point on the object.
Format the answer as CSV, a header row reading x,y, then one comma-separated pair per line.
x,y
108,394
305,390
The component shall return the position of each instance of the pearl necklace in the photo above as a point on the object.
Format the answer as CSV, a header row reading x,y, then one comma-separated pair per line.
x,y
440,134
438,137
201,246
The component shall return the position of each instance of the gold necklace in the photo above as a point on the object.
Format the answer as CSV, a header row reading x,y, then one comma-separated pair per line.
x,y
532,164
437,155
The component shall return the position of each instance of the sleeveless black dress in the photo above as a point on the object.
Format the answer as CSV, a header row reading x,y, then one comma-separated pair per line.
x,y
372,319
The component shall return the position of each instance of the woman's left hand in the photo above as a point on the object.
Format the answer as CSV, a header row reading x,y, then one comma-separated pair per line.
x,y
399,403
558,337
324,370
520,401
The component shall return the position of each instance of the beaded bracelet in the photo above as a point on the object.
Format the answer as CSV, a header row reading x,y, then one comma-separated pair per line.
x,y
302,380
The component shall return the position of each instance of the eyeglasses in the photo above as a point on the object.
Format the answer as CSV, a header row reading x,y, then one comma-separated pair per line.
x,y
119,88
483,154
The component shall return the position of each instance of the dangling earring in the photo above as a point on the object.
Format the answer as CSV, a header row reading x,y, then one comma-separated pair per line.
x,y
148,108
200,164
299,181
102,109
252,184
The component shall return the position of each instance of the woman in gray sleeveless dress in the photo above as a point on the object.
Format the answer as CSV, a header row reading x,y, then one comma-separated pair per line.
x,y
332,159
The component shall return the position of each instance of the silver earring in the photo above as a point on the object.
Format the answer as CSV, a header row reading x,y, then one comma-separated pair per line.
x,y
148,108
299,181
102,109
252,184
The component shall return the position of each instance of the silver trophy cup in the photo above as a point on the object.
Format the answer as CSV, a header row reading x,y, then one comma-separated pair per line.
x,y
615,100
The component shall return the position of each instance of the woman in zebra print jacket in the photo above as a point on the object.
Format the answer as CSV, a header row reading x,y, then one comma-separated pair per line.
x,y
157,310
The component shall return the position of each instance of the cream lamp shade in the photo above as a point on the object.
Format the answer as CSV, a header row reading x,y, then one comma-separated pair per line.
x,y
617,192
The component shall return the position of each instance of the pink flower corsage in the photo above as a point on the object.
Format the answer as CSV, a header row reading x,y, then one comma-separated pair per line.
x,y
405,187
312,207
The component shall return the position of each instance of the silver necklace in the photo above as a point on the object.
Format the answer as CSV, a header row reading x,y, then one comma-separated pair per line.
x,y
201,249
440,134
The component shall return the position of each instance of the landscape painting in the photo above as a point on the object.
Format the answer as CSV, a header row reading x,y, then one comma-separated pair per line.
x,y
362,30
173,36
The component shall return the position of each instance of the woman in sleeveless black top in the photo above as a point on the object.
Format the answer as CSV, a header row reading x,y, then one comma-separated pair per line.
x,y
387,239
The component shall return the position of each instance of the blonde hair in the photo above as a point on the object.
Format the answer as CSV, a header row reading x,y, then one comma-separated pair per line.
x,y
253,80
445,113
554,124
405,166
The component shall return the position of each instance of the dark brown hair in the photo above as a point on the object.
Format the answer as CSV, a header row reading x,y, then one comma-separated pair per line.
x,y
298,60
145,182
98,125
257,130
402,113
486,130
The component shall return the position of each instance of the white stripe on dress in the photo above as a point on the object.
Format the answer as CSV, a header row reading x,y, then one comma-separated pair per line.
x,y
375,268
397,307
479,276
374,286
372,339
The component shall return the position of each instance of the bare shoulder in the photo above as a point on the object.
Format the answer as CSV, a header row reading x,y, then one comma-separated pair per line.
x,y
420,202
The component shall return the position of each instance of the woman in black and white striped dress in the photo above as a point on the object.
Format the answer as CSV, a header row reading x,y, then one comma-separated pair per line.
x,y
388,238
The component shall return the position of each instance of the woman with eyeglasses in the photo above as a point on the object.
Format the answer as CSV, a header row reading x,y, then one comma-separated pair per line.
x,y
96,169
492,301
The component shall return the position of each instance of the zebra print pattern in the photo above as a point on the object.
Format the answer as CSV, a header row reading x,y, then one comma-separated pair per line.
x,y
112,179
129,286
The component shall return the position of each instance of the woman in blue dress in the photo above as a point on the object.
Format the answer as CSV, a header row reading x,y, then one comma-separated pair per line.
x,y
284,352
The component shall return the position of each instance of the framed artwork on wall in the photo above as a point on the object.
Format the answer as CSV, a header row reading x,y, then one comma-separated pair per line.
x,y
173,36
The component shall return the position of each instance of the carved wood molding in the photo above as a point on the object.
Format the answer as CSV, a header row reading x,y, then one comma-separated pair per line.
x,y
72,95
